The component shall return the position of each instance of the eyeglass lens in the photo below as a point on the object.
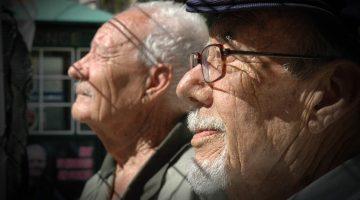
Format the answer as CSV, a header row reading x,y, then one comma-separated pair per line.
x,y
212,63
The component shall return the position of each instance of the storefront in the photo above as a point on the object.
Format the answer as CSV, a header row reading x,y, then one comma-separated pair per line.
x,y
64,30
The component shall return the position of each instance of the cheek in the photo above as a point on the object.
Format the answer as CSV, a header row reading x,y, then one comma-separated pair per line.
x,y
238,117
236,101
239,110
101,102
128,91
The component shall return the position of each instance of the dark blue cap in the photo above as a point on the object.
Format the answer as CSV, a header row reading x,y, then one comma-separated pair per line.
x,y
223,6
336,10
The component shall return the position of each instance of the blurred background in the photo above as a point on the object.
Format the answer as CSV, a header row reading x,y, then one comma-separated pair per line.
x,y
44,153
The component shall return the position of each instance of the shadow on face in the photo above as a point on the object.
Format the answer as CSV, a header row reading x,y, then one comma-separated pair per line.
x,y
264,107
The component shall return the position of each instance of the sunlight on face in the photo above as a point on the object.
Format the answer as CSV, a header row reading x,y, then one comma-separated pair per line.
x,y
111,79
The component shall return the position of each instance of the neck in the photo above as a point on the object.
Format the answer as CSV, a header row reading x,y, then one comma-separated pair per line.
x,y
132,149
141,134
126,172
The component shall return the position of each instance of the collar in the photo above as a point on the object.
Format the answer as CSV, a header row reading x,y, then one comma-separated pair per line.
x,y
343,182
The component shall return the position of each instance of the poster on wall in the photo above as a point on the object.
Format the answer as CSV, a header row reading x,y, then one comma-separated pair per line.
x,y
59,166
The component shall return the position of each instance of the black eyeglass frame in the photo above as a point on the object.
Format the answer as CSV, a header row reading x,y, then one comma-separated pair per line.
x,y
226,52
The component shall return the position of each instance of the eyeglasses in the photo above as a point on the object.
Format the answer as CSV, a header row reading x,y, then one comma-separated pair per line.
x,y
212,60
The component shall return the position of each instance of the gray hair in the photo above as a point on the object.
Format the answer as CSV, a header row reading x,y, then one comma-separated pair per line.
x,y
176,34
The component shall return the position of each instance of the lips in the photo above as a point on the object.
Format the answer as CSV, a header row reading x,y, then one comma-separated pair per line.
x,y
201,136
204,127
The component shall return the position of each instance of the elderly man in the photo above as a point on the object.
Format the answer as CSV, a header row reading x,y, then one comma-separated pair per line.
x,y
277,97
126,94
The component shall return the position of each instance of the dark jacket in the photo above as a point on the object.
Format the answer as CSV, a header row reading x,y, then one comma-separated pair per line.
x,y
342,183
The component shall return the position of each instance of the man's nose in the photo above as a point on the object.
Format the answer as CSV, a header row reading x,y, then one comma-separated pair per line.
x,y
194,90
78,70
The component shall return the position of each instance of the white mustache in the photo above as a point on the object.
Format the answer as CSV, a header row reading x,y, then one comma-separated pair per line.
x,y
197,122
83,88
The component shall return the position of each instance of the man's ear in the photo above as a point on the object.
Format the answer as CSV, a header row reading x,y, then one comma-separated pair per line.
x,y
159,79
339,94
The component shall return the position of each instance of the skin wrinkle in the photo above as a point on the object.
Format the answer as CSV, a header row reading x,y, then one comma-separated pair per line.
x,y
129,38
235,45
292,161
243,73
310,157
128,145
141,46
319,147
299,152
99,91
106,99
156,128
309,105
284,154
237,154
242,81
111,62
305,115
106,49
102,95
104,108
134,39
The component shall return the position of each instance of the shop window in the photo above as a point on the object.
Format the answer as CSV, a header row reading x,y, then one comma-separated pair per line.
x,y
49,108
57,90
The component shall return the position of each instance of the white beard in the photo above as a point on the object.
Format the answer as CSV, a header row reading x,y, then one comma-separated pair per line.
x,y
208,178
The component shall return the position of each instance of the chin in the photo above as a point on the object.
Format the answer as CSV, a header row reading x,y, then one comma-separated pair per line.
x,y
80,114
208,177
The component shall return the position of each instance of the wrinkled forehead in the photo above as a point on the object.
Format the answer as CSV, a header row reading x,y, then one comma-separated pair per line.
x,y
261,30
127,27
230,24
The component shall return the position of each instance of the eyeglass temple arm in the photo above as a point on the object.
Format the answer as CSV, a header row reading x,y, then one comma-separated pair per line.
x,y
279,55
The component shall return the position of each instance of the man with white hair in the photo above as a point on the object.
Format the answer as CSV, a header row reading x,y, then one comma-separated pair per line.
x,y
126,94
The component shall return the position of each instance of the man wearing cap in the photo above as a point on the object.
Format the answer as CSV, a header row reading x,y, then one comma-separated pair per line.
x,y
126,94
277,95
